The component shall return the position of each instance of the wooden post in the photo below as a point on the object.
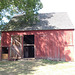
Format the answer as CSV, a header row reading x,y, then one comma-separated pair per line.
x,y
22,46
0,53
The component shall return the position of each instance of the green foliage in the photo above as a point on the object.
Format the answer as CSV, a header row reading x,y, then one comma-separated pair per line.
x,y
28,7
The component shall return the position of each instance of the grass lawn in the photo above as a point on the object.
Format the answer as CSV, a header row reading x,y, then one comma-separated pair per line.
x,y
37,67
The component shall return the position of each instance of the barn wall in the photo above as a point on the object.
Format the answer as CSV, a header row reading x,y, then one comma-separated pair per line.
x,y
50,44
55,45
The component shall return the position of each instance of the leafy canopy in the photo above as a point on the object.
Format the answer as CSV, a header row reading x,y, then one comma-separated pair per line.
x,y
28,7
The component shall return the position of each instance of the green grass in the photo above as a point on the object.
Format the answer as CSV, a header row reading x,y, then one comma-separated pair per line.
x,y
37,67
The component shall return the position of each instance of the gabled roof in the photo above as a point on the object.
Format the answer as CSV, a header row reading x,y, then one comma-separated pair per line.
x,y
47,21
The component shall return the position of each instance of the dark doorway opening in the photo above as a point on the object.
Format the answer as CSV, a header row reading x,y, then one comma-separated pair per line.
x,y
4,52
28,39
28,51
28,43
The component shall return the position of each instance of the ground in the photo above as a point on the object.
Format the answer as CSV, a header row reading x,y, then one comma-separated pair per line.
x,y
37,67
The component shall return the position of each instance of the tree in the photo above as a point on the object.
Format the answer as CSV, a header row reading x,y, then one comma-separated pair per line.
x,y
29,8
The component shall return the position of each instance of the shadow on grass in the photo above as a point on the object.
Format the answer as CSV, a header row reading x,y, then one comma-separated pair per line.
x,y
23,67
16,67
50,62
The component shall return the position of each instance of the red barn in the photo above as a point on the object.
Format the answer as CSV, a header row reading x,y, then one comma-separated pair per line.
x,y
51,38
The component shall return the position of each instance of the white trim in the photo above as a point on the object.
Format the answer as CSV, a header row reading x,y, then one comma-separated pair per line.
x,y
74,43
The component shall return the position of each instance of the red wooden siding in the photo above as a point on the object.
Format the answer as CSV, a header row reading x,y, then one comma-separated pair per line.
x,y
6,39
50,44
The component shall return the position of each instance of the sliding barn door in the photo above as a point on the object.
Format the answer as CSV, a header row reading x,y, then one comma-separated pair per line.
x,y
16,47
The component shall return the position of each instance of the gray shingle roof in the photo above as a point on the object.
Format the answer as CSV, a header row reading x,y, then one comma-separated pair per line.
x,y
47,21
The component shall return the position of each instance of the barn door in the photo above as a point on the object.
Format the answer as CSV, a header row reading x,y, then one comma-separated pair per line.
x,y
28,46
16,47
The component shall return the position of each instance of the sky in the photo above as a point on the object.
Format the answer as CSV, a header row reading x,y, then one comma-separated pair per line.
x,y
59,6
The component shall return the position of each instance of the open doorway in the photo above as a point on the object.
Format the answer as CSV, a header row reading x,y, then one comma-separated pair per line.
x,y
28,39
28,51
4,52
28,43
